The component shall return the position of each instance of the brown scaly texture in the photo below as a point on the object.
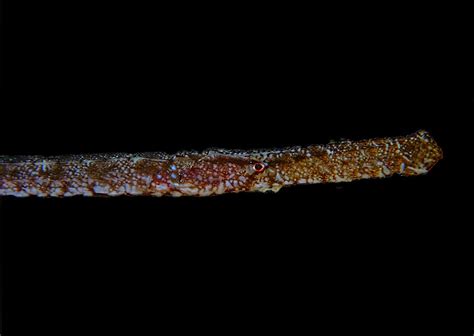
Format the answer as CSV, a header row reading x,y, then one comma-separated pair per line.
x,y
216,171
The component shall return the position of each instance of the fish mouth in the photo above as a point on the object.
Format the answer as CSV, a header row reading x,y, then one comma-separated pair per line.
x,y
426,150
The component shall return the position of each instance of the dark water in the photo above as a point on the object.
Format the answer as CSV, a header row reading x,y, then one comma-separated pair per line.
x,y
324,257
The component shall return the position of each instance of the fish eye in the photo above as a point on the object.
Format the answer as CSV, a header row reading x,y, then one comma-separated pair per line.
x,y
258,167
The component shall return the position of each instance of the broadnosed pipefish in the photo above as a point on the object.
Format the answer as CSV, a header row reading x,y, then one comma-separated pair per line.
x,y
216,171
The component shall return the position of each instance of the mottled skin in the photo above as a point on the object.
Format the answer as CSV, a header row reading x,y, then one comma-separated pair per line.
x,y
216,171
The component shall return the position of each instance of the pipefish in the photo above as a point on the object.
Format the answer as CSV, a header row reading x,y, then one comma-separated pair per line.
x,y
216,171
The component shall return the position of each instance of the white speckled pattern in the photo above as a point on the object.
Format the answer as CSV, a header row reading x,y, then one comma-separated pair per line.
x,y
216,171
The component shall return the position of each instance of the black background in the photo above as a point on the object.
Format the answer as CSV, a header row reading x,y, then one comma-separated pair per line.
x,y
120,77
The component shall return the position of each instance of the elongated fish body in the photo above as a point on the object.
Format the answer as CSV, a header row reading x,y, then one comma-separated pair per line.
x,y
216,171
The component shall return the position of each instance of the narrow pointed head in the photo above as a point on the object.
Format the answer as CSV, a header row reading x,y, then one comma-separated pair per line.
x,y
220,171
271,170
